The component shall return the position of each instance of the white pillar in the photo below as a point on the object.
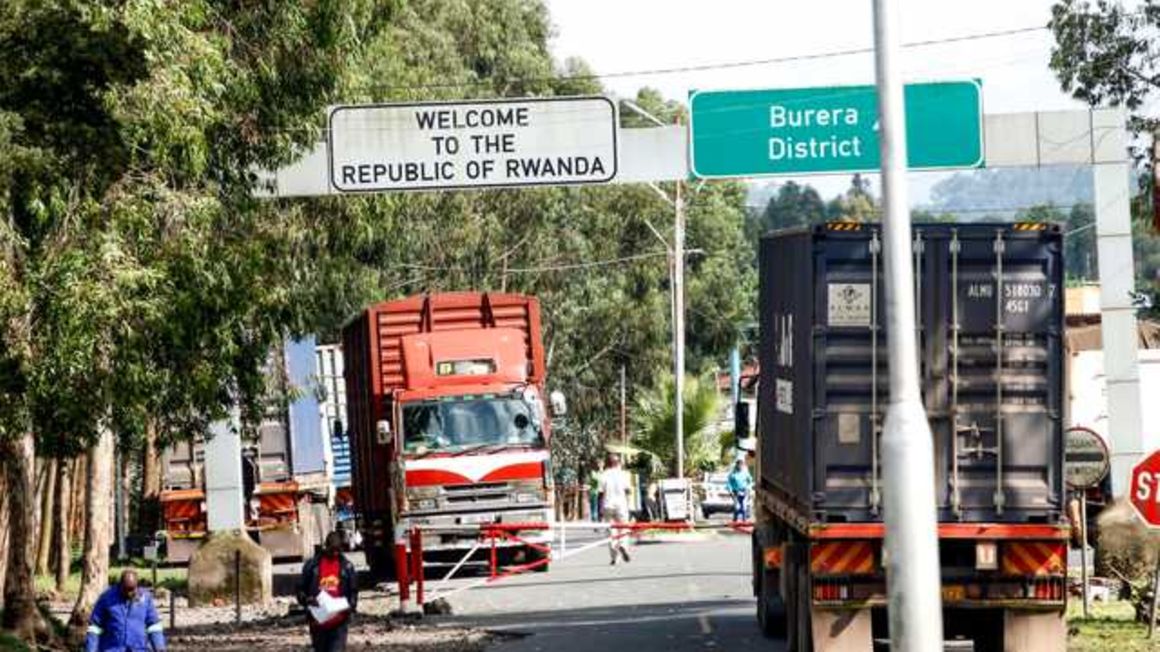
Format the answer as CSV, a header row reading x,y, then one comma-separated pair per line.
x,y
223,476
1118,317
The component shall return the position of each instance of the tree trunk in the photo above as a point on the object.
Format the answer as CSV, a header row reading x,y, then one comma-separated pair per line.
x,y
77,502
47,508
63,553
21,615
3,529
149,510
98,531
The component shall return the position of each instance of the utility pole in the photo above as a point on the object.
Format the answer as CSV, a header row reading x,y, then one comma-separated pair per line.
x,y
679,326
677,272
912,568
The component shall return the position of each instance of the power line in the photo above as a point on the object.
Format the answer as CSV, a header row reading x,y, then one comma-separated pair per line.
x,y
723,65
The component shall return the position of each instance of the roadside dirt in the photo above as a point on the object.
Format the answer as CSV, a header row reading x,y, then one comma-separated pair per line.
x,y
368,632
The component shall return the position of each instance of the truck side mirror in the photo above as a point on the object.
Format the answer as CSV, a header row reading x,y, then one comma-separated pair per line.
x,y
559,403
383,432
741,421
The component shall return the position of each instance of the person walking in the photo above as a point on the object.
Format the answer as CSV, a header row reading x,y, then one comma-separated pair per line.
x,y
125,620
739,482
614,488
332,572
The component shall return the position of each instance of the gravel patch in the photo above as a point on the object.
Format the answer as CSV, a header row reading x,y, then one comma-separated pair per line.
x,y
289,633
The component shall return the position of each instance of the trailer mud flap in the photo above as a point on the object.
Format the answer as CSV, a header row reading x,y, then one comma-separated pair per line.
x,y
841,630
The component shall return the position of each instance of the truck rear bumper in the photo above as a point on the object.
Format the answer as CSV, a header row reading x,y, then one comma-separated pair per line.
x,y
984,565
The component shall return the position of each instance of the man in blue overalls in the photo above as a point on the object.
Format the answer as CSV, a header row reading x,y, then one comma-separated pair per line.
x,y
125,620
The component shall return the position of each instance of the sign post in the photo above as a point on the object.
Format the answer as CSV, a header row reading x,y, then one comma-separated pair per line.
x,y
1085,464
831,130
481,144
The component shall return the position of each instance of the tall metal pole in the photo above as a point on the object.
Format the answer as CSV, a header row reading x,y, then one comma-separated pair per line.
x,y
912,569
1083,550
679,326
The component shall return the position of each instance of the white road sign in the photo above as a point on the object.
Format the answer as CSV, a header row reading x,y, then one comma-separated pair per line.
x,y
480,144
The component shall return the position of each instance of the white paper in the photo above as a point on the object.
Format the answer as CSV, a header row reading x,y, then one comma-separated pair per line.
x,y
328,607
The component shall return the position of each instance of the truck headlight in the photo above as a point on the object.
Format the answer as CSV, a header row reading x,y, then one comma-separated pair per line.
x,y
526,498
417,494
426,503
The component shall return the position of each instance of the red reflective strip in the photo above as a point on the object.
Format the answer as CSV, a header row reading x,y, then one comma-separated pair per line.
x,y
1033,558
430,477
842,558
773,557
521,471
946,531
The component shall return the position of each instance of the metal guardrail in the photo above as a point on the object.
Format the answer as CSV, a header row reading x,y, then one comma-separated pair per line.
x,y
411,568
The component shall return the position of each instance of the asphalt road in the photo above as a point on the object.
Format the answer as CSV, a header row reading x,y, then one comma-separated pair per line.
x,y
673,596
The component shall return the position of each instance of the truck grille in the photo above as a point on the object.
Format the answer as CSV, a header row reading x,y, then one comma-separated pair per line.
x,y
482,493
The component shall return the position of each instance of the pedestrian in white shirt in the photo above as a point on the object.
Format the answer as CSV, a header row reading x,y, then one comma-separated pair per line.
x,y
614,488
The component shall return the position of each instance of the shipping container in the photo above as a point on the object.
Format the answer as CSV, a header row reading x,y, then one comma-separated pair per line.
x,y
989,312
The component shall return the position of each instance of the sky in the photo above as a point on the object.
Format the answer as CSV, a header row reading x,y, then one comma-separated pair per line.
x,y
637,35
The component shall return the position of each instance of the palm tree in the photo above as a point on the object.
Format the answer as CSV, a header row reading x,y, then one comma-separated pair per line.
x,y
656,424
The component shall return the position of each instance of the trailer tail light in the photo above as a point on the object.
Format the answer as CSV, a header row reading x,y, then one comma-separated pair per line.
x,y
842,558
1037,558
831,591
1047,588
987,555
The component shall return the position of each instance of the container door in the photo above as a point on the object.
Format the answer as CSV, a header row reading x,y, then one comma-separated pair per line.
x,y
994,390
851,376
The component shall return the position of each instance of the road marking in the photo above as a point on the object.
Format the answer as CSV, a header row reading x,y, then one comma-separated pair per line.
x,y
706,628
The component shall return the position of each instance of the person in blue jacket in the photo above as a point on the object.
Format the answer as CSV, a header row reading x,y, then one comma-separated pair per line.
x,y
125,620
739,482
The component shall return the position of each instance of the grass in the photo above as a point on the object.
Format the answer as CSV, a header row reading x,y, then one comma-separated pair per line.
x,y
9,644
1112,627
167,578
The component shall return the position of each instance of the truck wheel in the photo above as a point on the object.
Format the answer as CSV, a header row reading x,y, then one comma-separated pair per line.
x,y
797,599
382,566
770,605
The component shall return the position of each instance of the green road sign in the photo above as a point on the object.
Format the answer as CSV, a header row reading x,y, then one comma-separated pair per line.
x,y
819,130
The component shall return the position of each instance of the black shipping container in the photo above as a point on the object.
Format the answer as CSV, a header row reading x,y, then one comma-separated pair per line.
x,y
990,314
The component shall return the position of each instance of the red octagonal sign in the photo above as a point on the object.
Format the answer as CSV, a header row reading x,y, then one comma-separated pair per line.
x,y
1145,493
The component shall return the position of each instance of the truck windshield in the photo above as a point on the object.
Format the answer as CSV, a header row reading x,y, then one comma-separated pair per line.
x,y
453,425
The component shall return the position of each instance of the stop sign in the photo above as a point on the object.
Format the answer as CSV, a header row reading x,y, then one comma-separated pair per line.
x,y
1145,489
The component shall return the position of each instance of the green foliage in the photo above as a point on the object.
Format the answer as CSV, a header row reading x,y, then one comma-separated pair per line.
x,y
655,422
1105,54
140,281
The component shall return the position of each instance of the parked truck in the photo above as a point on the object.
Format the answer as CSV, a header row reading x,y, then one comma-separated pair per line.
x,y
332,404
287,493
990,321
449,422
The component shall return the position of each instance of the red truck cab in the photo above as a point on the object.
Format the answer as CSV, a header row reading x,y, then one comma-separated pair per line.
x,y
448,417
